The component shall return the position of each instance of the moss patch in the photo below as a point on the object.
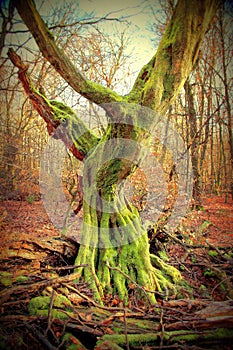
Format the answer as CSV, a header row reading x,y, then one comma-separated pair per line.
x,y
40,306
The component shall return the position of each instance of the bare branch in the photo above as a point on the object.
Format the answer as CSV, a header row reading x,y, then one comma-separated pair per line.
x,y
46,108
45,41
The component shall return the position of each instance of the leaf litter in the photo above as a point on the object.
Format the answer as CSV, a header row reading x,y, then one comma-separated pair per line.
x,y
34,262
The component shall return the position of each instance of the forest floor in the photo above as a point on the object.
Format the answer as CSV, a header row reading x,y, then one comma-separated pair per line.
x,y
32,254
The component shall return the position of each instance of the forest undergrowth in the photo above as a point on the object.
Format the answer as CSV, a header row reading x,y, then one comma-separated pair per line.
x,y
43,308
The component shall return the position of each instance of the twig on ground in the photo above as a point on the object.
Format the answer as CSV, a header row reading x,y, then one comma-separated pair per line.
x,y
85,297
68,267
217,250
162,328
40,337
50,312
29,287
125,330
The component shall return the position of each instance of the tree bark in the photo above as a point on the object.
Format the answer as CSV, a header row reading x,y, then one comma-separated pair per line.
x,y
160,81
55,113
194,145
227,101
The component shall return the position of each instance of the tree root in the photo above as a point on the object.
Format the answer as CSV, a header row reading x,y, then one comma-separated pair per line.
x,y
121,270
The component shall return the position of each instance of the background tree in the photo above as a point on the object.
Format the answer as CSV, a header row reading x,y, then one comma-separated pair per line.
x,y
204,125
23,133
156,87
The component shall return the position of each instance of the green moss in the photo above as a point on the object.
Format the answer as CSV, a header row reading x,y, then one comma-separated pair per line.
x,y
117,330
83,138
212,253
54,313
133,339
167,270
7,343
222,286
228,255
101,93
203,291
142,324
30,199
163,255
21,279
3,343
72,343
209,273
204,226
61,111
40,306
193,259
190,337
136,94
108,345
6,278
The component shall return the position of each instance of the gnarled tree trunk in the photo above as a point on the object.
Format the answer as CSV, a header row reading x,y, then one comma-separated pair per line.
x,y
113,241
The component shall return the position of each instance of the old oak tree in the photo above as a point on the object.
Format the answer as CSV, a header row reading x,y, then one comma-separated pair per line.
x,y
116,246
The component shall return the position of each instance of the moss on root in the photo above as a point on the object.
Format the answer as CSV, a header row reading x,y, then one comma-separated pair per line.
x,y
133,339
114,243
115,270
40,306
72,343
169,338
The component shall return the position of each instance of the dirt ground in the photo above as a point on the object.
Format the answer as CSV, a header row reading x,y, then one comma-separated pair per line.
x,y
20,217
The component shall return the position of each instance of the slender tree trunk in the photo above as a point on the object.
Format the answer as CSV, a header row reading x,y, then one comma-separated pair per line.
x,y
194,145
227,101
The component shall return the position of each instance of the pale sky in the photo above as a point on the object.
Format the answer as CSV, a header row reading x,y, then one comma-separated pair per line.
x,y
138,12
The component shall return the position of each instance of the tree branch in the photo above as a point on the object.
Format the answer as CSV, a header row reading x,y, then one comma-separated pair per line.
x,y
85,22
54,113
160,81
46,43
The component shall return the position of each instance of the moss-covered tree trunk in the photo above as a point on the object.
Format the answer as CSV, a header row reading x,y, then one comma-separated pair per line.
x,y
113,241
